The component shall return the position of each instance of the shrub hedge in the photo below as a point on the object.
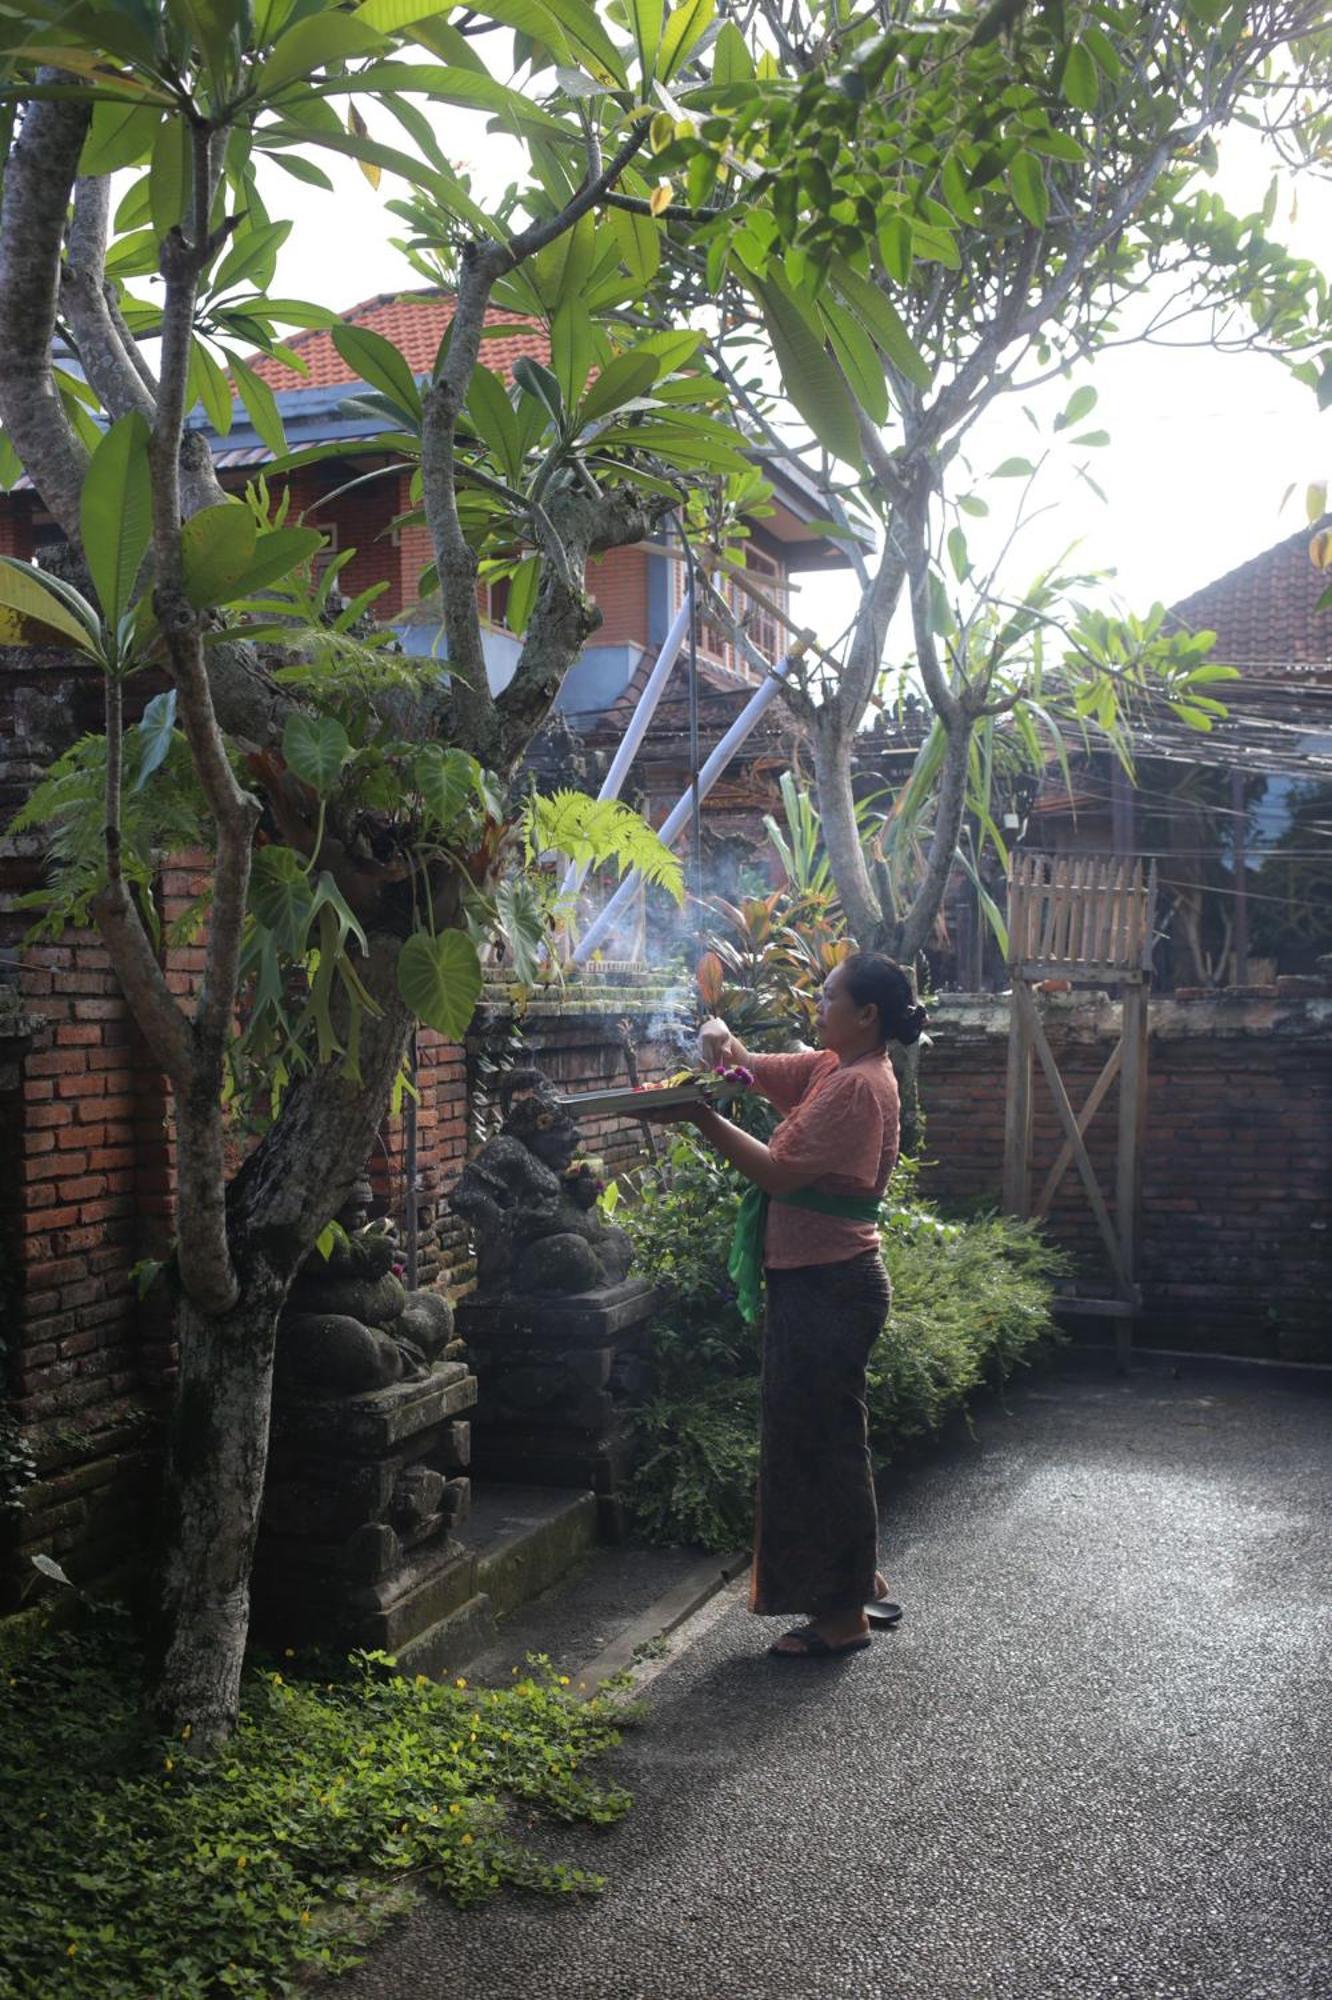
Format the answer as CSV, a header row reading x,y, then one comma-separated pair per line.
x,y
971,1302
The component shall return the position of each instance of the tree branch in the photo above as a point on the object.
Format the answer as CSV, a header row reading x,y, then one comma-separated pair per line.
x,y
83,288
38,178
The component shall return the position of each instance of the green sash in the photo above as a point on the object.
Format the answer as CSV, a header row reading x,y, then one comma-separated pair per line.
x,y
745,1263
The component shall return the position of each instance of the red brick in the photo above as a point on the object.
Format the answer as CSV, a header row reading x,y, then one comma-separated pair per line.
x,y
79,1035
81,1085
55,1062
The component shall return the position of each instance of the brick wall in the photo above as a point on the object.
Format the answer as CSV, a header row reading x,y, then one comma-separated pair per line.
x,y
1237,1154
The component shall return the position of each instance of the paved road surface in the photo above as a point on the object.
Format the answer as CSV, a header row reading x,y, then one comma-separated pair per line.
x,y
1093,1762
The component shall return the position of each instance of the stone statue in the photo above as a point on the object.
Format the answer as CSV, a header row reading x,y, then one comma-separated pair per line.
x,y
350,1324
532,1212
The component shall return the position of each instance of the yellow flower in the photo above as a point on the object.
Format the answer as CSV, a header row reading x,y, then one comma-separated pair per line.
x,y
277,1681
455,1809
168,1764
564,1680
467,1840
422,1680
70,1950
504,1736
242,1861
187,1732
289,1653
305,1916
460,1682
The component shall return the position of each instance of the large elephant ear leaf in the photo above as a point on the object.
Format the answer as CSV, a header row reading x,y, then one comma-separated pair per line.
x,y
440,979
116,514
316,747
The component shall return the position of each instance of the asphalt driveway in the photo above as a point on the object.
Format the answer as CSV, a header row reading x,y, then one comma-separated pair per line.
x,y
1092,1762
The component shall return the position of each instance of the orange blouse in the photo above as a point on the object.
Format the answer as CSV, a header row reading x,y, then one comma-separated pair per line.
x,y
840,1130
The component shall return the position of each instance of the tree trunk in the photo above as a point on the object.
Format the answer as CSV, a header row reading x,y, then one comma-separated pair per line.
x,y
841,835
216,1458
298,1176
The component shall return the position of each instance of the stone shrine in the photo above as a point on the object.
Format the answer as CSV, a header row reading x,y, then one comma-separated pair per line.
x,y
367,1459
557,1329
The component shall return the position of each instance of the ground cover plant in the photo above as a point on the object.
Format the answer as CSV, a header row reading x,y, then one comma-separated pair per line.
x,y
971,1303
129,1868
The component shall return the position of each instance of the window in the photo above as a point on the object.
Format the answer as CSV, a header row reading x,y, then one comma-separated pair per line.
x,y
765,631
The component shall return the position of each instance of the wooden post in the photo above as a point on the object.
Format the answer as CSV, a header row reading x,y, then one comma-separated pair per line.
x,y
1128,1175
1241,947
1017,1109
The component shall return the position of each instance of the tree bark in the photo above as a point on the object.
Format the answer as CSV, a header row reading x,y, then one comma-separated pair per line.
x,y
298,1176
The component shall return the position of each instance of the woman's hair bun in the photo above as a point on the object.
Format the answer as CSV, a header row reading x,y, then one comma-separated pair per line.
x,y
873,979
912,1025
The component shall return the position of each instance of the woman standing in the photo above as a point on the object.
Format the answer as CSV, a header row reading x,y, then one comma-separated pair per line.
x,y
824,1173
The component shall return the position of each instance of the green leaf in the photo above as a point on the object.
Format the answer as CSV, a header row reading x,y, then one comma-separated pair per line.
x,y
685,28
572,349
809,377
169,176
116,514
1080,404
522,594
119,135
217,546
447,85
492,414
622,381
276,555
731,60
208,385
260,404
957,554
378,362
252,257
522,921
316,747
282,899
645,19
446,780
30,614
859,359
894,240
1014,468
157,726
1026,183
882,320
440,980
539,382
312,46
1079,82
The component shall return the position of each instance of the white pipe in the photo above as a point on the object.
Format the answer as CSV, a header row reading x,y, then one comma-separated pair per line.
x,y
633,736
674,822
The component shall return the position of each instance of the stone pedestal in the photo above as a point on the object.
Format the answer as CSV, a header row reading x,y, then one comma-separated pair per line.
x,y
556,1374
355,1544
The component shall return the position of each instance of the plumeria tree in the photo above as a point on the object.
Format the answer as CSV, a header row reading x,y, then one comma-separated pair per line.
x,y
355,805
892,218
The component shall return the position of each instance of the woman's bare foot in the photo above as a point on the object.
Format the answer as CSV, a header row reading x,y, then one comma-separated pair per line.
x,y
880,1584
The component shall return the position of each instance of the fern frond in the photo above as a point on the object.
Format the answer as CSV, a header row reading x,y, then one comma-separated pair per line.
x,y
596,831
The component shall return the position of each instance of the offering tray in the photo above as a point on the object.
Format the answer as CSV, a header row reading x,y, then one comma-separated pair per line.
x,y
631,1103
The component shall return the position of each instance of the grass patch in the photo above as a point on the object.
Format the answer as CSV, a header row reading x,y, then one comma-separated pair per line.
x,y
129,1868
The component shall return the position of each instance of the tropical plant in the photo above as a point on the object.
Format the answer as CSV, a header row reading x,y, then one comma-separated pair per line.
x,y
355,808
971,1303
916,217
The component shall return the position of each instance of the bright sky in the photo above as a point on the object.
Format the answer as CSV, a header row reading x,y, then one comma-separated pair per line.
x,y
1203,446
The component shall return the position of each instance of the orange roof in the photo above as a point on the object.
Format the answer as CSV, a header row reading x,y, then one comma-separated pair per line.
x,y
415,322
1265,613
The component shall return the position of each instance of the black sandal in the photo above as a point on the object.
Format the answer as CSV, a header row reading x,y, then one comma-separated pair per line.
x,y
882,1611
813,1646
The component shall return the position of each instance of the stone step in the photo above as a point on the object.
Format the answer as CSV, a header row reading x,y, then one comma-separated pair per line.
x,y
519,1540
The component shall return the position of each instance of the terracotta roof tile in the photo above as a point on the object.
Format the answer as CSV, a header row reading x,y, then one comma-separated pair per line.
x,y
415,322
1263,613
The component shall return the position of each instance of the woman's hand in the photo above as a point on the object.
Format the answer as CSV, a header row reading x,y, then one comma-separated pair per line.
x,y
719,1045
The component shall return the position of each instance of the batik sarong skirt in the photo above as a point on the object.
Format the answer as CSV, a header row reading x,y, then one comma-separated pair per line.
x,y
816,1529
